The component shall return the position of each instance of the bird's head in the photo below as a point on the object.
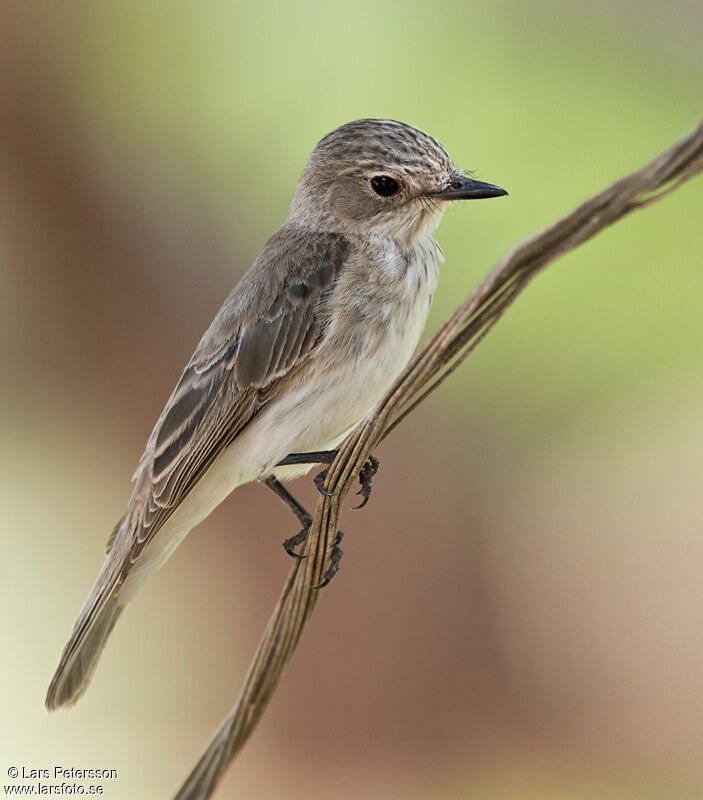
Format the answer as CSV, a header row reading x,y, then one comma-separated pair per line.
x,y
381,177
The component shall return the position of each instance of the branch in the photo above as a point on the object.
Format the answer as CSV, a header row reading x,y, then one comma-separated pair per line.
x,y
452,343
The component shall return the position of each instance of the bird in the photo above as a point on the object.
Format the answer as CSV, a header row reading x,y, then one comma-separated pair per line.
x,y
306,344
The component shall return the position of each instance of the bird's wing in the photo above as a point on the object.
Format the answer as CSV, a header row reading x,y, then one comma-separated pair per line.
x,y
266,329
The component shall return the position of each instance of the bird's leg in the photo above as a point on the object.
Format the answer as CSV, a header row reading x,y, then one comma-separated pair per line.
x,y
306,520
300,512
320,457
369,469
316,457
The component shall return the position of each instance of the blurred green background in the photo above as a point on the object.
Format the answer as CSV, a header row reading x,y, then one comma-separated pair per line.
x,y
518,614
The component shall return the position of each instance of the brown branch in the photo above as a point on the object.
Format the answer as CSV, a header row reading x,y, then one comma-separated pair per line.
x,y
452,343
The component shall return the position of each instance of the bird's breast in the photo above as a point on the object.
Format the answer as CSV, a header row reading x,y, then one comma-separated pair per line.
x,y
382,306
374,326
376,322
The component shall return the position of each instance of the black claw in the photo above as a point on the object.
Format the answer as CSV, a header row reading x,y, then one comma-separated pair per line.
x,y
293,541
319,481
366,474
335,558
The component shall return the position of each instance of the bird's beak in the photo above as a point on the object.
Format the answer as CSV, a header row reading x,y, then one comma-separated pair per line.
x,y
462,188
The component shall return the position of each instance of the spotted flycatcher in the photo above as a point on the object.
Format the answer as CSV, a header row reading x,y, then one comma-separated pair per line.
x,y
306,344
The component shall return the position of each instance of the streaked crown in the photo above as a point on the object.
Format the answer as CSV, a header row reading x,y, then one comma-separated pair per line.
x,y
375,177
378,143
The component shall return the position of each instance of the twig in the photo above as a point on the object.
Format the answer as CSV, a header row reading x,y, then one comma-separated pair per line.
x,y
452,343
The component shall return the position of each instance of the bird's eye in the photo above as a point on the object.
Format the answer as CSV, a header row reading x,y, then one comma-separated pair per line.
x,y
384,185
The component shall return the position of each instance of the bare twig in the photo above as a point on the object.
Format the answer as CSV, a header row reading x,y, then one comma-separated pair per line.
x,y
452,343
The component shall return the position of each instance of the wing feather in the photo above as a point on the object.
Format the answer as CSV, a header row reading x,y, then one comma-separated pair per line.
x,y
268,326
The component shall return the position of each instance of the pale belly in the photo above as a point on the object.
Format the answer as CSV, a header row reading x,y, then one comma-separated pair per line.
x,y
315,416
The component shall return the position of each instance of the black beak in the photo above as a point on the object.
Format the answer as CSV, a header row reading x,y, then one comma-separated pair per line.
x,y
462,188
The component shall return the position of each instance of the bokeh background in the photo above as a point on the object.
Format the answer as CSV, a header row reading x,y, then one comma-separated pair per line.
x,y
518,614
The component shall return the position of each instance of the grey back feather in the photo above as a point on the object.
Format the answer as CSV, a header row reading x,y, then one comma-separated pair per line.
x,y
265,330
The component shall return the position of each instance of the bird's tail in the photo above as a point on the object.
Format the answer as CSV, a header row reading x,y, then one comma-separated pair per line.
x,y
81,653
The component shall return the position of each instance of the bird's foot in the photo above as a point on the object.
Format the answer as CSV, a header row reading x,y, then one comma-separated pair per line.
x,y
335,558
366,474
292,542
369,469
319,481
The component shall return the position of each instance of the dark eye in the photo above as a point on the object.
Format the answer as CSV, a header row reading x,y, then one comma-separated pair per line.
x,y
384,185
